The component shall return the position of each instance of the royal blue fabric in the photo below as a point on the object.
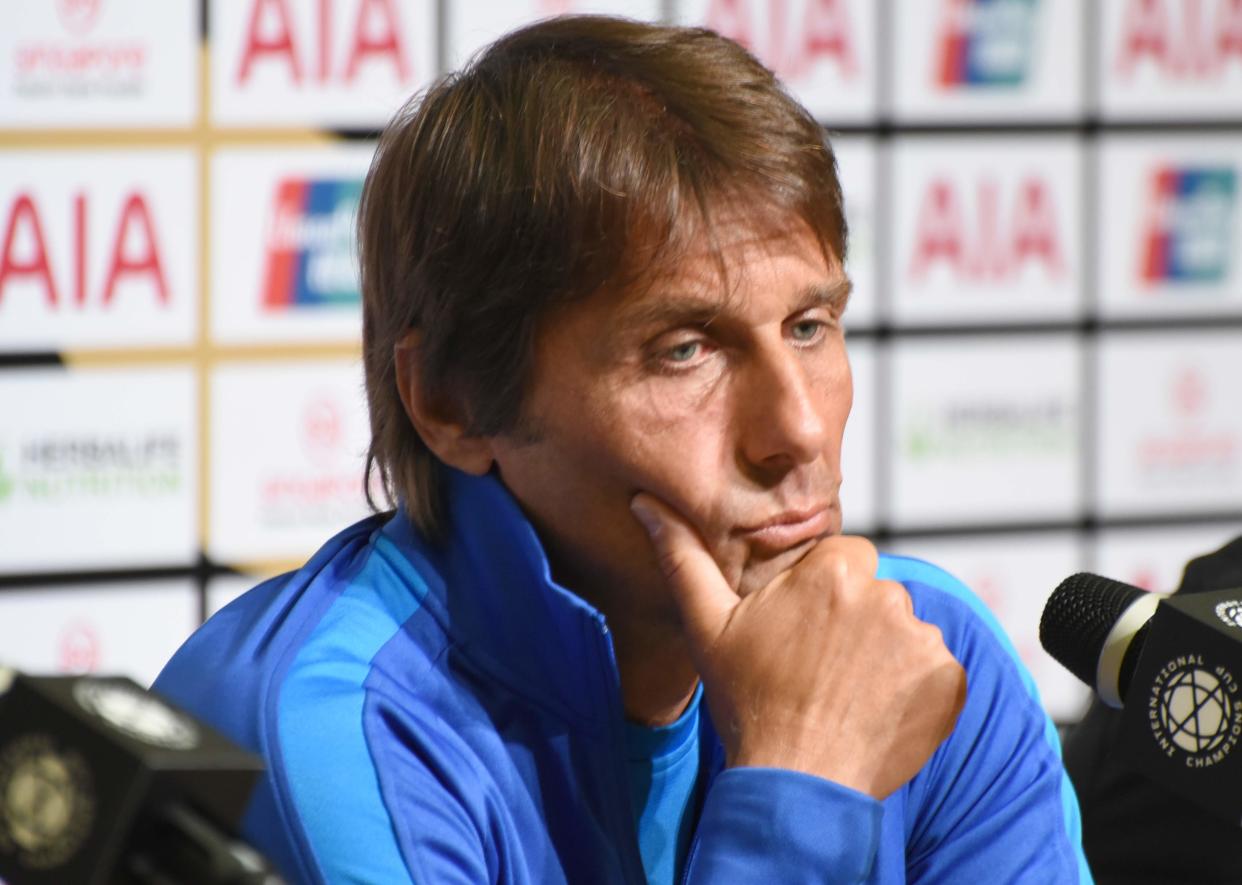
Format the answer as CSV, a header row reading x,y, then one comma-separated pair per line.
x,y
451,714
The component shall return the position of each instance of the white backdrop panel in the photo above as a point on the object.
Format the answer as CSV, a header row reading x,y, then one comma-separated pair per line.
x,y
288,444
986,230
125,629
1171,238
345,63
98,248
98,468
998,60
284,252
1170,423
98,64
860,447
984,430
1170,59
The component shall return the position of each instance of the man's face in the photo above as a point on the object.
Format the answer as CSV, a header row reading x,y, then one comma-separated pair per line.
x,y
726,402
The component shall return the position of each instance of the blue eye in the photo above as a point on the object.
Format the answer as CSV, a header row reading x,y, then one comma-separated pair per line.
x,y
683,352
806,330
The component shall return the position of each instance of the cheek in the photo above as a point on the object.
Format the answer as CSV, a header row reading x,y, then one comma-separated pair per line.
x,y
680,452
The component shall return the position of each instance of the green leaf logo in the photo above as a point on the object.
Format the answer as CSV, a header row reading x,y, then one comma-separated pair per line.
x,y
6,481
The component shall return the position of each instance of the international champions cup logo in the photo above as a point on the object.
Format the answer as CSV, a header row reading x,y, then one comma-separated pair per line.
x,y
1193,710
47,802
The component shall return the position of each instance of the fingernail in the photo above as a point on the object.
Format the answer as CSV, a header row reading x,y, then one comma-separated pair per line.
x,y
644,514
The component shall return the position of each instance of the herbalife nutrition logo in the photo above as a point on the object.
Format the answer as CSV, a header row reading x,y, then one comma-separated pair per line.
x,y
6,481
65,468
992,428
1193,711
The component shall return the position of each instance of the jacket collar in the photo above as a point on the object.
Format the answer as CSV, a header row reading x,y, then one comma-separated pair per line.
x,y
498,603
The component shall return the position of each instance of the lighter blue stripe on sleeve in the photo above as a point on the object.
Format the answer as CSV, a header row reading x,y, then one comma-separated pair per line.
x,y
327,763
905,568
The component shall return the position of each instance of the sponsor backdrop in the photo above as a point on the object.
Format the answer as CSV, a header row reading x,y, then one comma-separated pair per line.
x,y
1044,198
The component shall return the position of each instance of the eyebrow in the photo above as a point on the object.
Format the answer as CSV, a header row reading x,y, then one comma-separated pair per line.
x,y
834,296
686,310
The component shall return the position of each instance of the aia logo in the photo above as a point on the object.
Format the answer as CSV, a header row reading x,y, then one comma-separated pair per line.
x,y
1183,40
1189,393
78,16
985,43
790,36
133,253
311,49
310,257
1190,225
987,234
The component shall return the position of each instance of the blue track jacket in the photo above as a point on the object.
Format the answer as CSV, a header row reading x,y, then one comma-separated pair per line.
x,y
452,715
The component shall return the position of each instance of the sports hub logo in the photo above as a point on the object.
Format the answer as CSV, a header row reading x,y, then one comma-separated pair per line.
x,y
74,60
1192,709
310,244
1191,222
986,43
1190,445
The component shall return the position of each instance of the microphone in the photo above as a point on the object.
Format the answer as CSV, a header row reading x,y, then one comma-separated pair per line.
x,y
103,782
1173,666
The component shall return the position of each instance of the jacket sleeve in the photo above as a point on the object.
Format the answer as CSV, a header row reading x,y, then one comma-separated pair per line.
x,y
763,825
994,803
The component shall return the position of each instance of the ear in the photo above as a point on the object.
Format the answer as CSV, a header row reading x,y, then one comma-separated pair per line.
x,y
438,420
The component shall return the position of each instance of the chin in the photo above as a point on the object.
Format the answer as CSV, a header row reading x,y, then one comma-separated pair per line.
x,y
758,573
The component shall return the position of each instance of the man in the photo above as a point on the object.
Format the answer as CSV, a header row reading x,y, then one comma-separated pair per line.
x,y
603,284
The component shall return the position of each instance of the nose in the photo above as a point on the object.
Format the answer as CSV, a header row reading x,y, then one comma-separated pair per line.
x,y
783,413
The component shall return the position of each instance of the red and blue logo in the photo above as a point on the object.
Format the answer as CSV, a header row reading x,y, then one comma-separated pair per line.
x,y
1189,237
310,244
985,43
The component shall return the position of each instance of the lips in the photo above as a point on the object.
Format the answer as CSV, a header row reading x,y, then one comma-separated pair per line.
x,y
789,529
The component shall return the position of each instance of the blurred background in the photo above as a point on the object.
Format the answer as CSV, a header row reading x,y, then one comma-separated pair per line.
x,y
1046,245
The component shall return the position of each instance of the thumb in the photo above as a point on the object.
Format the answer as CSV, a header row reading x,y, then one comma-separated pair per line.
x,y
703,596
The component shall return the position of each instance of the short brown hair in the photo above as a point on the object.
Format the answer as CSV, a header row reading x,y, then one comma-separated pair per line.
x,y
574,154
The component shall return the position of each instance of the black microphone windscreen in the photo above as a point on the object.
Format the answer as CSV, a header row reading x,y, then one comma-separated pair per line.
x,y
1078,617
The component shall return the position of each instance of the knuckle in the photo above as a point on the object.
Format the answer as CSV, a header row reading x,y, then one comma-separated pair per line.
x,y
933,640
893,597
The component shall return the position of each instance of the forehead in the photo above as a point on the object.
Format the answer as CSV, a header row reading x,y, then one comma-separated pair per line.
x,y
728,271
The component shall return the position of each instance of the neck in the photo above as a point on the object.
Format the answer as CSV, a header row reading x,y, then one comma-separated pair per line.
x,y
658,678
